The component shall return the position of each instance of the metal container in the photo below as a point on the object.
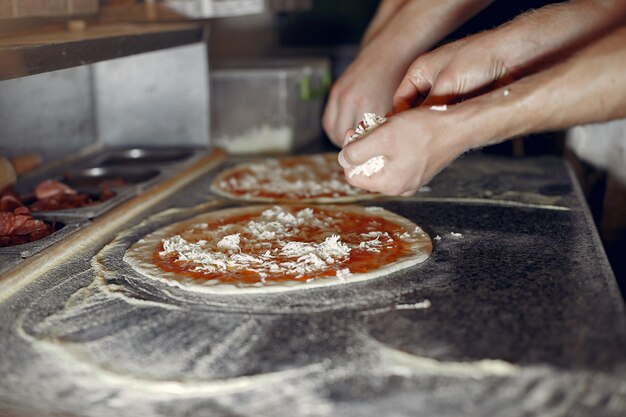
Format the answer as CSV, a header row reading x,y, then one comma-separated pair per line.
x,y
268,106
11,256
142,156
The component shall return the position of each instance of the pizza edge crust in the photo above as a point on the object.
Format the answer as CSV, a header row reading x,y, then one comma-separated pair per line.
x,y
139,255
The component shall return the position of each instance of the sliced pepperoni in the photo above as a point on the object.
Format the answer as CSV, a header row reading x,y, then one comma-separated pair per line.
x,y
9,203
21,227
60,202
50,188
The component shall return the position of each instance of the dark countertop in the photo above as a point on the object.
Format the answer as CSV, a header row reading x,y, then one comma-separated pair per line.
x,y
525,318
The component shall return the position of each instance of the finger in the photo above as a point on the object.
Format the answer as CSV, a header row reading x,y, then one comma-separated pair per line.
x,y
330,116
345,120
411,91
445,88
362,150
348,136
465,80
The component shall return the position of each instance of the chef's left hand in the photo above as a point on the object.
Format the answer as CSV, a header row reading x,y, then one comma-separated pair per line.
x,y
416,145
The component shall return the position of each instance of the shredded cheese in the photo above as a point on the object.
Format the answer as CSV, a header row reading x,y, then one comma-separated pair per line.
x,y
319,175
369,168
370,122
270,243
230,242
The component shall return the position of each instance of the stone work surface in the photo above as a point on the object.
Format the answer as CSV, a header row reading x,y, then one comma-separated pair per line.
x,y
523,318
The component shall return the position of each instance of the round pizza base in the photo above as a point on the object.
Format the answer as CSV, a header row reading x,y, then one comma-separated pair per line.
x,y
139,255
216,189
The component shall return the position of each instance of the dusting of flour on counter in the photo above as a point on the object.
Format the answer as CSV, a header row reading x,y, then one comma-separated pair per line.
x,y
417,306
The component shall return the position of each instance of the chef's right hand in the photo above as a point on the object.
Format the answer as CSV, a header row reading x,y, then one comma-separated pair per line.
x,y
494,58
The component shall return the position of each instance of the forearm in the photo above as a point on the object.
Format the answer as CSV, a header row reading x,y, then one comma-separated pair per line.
x,y
420,24
552,32
387,9
589,87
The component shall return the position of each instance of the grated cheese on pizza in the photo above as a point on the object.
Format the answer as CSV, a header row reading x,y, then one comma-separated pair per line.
x,y
264,245
298,178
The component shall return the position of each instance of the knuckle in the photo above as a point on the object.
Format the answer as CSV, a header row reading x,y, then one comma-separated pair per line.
x,y
415,70
334,93
344,98
446,82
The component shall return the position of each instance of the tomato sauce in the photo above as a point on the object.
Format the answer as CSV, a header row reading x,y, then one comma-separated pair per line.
x,y
348,225
326,172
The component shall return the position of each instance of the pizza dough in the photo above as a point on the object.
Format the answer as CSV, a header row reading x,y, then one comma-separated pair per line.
x,y
304,179
278,248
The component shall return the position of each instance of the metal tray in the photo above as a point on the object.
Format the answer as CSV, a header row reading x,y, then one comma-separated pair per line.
x,y
139,167
86,181
12,255
92,177
145,156
86,212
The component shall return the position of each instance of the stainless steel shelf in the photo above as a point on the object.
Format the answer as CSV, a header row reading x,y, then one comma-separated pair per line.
x,y
46,51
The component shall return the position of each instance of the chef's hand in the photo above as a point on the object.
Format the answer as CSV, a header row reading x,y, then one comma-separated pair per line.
x,y
494,58
452,72
366,86
369,83
416,145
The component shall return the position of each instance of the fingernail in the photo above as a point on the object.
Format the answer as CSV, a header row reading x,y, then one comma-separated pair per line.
x,y
342,160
